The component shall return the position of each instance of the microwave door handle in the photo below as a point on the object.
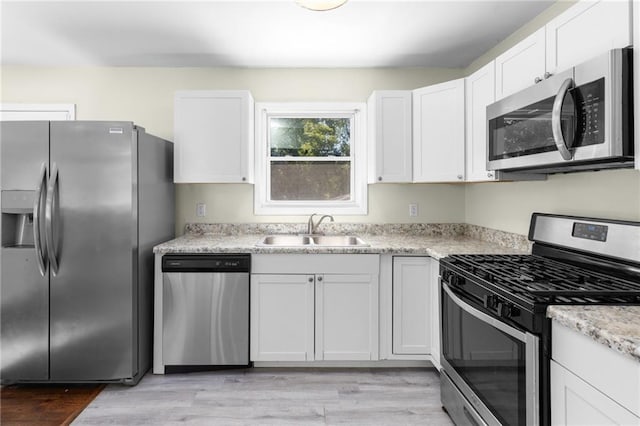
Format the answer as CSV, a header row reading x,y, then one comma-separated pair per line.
x,y
556,120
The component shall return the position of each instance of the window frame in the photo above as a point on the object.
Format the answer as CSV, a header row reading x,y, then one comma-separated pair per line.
x,y
29,112
356,112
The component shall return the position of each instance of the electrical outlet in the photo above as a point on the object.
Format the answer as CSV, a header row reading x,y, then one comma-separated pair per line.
x,y
413,210
201,209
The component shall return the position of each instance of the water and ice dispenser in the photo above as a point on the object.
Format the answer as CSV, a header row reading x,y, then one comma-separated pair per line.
x,y
17,218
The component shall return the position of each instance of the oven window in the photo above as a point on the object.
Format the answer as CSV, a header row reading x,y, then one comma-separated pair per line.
x,y
491,362
527,130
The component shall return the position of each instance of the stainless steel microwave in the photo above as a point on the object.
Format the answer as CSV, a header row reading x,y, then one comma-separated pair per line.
x,y
579,119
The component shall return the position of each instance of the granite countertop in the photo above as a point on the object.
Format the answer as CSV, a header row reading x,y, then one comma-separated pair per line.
x,y
436,247
617,327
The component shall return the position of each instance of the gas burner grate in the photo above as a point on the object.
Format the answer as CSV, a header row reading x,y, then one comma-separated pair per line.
x,y
546,280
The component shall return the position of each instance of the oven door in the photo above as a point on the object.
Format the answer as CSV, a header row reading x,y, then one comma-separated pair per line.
x,y
494,366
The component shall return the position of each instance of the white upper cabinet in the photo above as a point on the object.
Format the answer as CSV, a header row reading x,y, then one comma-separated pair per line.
x,y
438,132
390,133
582,32
213,136
480,92
518,67
586,30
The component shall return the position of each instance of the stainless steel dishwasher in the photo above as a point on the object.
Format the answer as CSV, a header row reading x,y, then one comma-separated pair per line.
x,y
205,307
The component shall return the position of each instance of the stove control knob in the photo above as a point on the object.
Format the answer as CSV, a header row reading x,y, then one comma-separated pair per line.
x,y
504,310
489,301
455,280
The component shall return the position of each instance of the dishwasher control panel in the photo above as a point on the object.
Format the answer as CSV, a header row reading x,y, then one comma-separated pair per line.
x,y
206,263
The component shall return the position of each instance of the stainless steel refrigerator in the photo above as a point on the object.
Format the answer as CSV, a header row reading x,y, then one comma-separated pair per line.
x,y
83,204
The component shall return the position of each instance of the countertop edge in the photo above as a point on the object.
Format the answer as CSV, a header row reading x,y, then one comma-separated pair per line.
x,y
584,322
436,247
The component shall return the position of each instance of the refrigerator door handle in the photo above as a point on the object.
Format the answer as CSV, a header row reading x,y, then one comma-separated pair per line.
x,y
37,206
48,216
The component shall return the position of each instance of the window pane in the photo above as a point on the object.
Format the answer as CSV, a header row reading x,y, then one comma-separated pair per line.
x,y
322,180
310,137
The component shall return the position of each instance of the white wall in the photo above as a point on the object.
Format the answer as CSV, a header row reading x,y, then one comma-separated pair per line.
x,y
613,194
145,96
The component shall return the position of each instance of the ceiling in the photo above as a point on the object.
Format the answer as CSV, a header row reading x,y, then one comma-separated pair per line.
x,y
258,33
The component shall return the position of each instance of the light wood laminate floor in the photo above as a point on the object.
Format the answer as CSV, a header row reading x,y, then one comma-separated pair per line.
x,y
274,396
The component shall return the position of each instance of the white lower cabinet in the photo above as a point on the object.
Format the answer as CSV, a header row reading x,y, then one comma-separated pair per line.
x,y
411,302
591,384
576,402
346,318
434,286
314,316
409,309
282,317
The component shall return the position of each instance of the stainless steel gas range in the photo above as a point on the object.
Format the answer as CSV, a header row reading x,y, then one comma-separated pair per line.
x,y
496,339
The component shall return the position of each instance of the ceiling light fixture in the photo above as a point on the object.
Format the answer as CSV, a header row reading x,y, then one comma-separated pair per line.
x,y
320,5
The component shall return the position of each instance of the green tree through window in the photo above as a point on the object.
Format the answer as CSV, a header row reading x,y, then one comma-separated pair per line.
x,y
325,171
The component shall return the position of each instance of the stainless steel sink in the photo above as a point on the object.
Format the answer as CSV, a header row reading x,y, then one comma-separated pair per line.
x,y
338,241
312,240
286,240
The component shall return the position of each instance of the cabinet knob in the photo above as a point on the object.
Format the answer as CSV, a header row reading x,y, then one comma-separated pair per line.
x,y
459,177
244,179
379,178
310,279
547,75
537,80
490,175
319,278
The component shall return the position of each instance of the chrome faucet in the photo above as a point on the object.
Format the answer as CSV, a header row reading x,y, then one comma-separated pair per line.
x,y
312,227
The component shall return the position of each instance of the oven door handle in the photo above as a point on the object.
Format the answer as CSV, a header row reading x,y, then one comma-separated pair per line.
x,y
556,120
511,331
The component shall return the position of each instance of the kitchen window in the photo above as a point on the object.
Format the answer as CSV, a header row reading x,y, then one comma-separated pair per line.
x,y
310,158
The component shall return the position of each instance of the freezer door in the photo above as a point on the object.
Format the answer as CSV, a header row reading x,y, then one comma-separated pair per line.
x,y
24,317
91,208
24,147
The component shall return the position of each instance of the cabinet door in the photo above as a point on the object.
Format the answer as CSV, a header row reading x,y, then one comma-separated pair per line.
x,y
282,316
586,30
411,305
438,132
480,92
347,317
518,67
576,402
213,136
390,131
434,310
